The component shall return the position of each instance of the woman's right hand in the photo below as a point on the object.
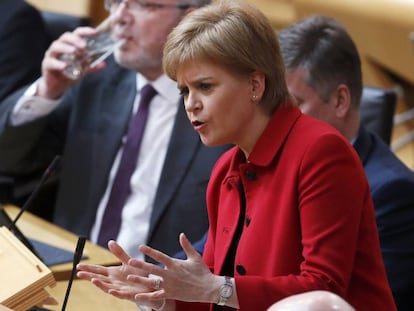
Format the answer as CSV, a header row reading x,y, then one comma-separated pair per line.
x,y
115,277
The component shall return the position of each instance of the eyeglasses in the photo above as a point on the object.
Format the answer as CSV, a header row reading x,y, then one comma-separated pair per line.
x,y
141,5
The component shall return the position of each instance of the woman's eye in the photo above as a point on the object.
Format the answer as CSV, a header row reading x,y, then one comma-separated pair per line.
x,y
205,86
184,91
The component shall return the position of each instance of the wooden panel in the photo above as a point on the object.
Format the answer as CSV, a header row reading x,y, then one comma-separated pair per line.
x,y
26,275
92,9
73,7
280,12
380,29
98,11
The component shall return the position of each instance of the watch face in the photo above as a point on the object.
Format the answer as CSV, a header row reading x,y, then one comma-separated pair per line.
x,y
226,291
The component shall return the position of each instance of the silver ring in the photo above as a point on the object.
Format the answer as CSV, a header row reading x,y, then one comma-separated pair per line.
x,y
157,285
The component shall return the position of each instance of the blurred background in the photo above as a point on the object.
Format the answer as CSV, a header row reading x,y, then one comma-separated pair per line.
x,y
380,28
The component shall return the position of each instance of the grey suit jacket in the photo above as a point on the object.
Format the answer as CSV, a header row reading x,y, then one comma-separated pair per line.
x,y
87,128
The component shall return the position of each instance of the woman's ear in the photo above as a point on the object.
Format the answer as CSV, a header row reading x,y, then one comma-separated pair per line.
x,y
258,83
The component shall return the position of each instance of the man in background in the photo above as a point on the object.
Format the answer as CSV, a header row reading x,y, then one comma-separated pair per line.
x,y
88,122
324,76
23,42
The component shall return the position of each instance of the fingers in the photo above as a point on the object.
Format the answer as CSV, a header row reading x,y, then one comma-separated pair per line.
x,y
149,297
69,43
86,275
146,267
115,290
122,294
102,282
157,285
164,259
75,39
93,269
104,285
150,284
188,247
118,251
88,272
54,81
156,255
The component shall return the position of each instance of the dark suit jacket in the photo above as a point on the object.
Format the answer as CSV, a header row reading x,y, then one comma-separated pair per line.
x,y
392,190
23,42
87,128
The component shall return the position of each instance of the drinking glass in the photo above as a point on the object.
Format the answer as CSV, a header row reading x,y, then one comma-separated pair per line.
x,y
98,48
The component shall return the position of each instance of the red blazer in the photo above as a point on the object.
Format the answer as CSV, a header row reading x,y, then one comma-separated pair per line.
x,y
309,222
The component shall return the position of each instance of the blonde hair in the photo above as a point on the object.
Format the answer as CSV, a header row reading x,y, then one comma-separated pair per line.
x,y
235,35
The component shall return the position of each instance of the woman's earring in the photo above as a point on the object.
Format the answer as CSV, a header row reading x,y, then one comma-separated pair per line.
x,y
255,97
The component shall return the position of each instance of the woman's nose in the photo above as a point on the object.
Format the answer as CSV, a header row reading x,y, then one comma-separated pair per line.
x,y
192,104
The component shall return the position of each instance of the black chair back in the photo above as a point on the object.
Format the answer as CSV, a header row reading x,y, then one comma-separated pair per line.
x,y
58,23
377,111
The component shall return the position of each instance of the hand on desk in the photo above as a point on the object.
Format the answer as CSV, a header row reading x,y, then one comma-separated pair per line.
x,y
114,280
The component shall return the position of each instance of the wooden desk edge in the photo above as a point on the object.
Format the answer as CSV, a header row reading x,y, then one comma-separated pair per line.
x,y
46,232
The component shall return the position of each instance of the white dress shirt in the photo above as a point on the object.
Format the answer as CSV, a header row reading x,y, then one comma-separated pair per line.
x,y
144,181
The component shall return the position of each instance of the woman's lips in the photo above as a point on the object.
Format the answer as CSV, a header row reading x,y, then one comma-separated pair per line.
x,y
197,125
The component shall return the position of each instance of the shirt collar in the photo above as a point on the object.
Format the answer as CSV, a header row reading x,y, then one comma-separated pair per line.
x,y
164,86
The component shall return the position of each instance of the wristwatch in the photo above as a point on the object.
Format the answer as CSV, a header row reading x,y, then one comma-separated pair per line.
x,y
226,290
